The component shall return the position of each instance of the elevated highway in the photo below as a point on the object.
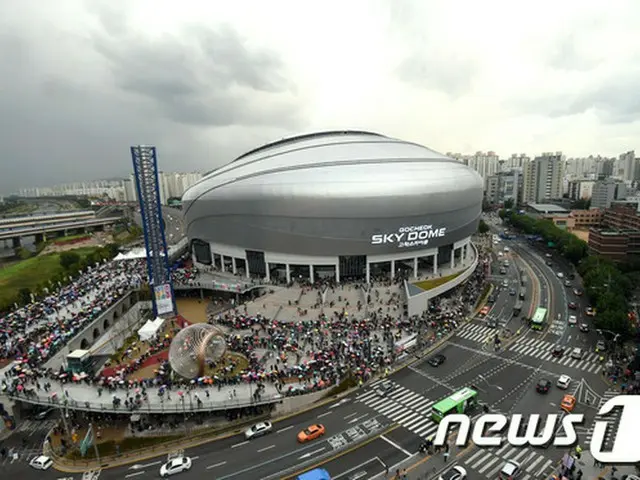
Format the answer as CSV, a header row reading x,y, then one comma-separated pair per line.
x,y
38,220
40,231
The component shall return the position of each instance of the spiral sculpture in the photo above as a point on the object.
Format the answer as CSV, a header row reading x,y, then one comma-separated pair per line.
x,y
193,346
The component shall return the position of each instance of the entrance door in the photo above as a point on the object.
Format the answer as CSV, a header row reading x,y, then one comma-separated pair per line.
x,y
353,266
256,265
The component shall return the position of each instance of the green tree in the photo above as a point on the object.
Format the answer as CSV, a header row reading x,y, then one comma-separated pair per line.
x,y
508,203
502,214
69,259
483,227
24,296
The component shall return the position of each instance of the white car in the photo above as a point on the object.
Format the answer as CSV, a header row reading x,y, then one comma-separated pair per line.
x,y
560,275
455,473
258,430
563,382
506,249
576,353
510,470
175,465
573,320
41,463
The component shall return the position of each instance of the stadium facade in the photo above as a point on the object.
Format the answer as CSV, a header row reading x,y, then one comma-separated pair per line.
x,y
348,204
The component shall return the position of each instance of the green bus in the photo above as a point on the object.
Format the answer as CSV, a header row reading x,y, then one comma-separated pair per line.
x,y
459,402
537,322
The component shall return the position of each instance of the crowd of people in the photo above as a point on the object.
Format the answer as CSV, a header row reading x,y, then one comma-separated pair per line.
x,y
296,356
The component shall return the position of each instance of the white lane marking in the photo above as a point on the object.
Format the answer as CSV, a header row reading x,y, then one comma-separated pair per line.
x,y
219,464
357,419
138,467
195,458
394,444
285,429
351,415
324,414
266,448
307,455
239,444
134,474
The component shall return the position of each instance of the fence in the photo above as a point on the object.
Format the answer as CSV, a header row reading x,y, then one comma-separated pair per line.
x,y
182,405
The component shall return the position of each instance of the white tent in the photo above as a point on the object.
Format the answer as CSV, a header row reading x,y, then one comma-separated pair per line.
x,y
150,329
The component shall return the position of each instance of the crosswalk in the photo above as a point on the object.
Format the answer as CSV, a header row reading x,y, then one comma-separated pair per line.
x,y
542,350
16,455
404,407
612,419
477,333
487,462
33,427
558,326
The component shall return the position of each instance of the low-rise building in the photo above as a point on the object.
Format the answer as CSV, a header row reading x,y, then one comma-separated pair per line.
x,y
585,219
561,217
619,235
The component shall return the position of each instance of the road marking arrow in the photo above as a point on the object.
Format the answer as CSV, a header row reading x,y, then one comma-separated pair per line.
x,y
307,455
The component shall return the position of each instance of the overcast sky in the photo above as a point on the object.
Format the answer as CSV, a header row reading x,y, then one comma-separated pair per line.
x,y
207,80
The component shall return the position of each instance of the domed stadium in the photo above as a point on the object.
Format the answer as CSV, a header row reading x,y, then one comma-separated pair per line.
x,y
334,204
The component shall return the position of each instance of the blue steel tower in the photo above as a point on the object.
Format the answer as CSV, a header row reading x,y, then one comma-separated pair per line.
x,y
145,166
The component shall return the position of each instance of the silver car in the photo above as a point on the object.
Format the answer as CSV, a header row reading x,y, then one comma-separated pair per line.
x,y
258,430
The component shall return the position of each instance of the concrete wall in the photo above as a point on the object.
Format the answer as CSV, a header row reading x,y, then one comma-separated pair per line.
x,y
417,304
92,332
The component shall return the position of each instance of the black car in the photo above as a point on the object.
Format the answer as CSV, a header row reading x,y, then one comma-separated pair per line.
x,y
578,292
584,328
491,299
557,351
437,360
572,306
492,323
571,276
543,385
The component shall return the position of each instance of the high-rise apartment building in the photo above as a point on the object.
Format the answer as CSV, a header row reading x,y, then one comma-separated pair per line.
x,y
543,178
580,189
503,186
626,166
486,164
607,191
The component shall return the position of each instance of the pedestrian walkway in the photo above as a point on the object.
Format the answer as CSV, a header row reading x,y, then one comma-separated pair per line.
x,y
487,462
542,349
613,419
81,396
404,407
477,333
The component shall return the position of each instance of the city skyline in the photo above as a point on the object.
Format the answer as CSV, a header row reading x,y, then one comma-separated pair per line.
x,y
84,81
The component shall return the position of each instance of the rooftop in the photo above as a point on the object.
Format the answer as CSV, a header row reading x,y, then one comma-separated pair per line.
x,y
547,208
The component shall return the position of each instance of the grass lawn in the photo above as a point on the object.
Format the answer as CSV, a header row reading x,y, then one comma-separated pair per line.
x,y
32,272
435,282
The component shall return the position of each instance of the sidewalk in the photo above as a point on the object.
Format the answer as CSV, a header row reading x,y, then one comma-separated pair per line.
x,y
590,471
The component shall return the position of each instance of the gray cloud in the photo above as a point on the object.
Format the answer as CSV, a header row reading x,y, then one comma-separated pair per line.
x,y
452,76
565,54
206,77
71,107
614,100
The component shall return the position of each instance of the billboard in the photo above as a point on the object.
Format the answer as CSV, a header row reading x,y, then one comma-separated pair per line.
x,y
163,299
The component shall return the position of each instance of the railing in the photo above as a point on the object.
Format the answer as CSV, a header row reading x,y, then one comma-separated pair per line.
x,y
159,449
181,406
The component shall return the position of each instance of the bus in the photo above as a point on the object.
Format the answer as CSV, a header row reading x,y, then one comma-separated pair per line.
x,y
459,402
517,309
315,474
537,322
523,293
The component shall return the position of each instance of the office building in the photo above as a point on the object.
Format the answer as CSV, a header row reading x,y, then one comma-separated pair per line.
x,y
580,189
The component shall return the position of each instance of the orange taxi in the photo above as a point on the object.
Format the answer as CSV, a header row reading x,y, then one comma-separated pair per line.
x,y
485,310
568,403
311,433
